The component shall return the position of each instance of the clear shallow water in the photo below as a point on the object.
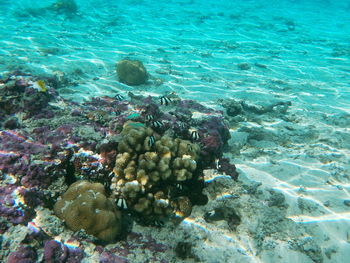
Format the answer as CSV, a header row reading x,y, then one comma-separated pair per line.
x,y
195,47
297,51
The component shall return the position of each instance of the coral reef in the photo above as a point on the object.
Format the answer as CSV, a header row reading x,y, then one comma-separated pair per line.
x,y
57,252
19,94
47,144
23,254
14,211
85,206
131,72
148,169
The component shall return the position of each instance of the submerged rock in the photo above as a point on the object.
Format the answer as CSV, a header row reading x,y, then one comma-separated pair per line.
x,y
131,72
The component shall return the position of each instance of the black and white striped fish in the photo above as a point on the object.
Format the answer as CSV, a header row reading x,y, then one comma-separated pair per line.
x,y
158,223
151,141
121,203
164,100
179,186
189,147
194,135
119,97
182,125
149,117
157,124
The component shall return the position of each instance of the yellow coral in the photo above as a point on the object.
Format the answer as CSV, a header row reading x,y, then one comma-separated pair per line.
x,y
148,166
85,206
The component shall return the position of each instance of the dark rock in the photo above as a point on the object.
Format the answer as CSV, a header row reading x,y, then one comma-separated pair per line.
x,y
11,124
244,66
183,250
347,202
131,72
23,255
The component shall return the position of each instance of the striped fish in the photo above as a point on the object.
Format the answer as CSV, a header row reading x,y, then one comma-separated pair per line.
x,y
122,203
151,141
157,124
164,100
119,97
194,135
179,186
149,117
189,147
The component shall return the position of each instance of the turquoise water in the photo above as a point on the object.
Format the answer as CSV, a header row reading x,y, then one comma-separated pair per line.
x,y
257,51
194,46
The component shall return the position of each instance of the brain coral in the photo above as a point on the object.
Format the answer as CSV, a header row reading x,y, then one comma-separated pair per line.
x,y
151,170
85,206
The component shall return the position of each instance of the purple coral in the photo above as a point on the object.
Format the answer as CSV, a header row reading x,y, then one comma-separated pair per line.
x,y
226,167
109,257
23,255
9,207
57,252
134,241
215,135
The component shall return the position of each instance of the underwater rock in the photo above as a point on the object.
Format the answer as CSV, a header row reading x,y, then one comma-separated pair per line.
x,y
234,108
14,211
239,107
346,202
244,66
24,94
224,166
56,252
11,123
131,72
145,246
85,206
23,254
223,213
214,137
184,250
64,6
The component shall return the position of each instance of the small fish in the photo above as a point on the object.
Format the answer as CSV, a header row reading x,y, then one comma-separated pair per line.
x,y
189,147
157,124
110,175
179,186
40,85
117,112
119,97
149,117
214,215
217,163
182,125
136,124
151,141
133,116
194,135
164,100
158,223
122,203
